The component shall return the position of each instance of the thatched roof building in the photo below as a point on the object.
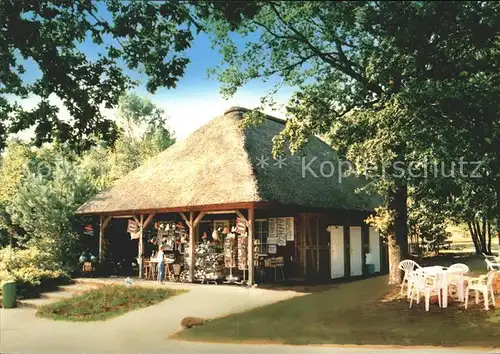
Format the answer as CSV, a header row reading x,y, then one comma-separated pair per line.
x,y
301,215
221,164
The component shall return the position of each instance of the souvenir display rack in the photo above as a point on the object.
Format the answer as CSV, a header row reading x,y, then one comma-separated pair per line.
x,y
230,257
209,265
211,259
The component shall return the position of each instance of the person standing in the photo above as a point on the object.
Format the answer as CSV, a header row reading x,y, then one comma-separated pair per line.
x,y
161,264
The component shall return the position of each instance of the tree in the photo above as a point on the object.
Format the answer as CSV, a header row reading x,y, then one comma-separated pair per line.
x,y
49,37
360,69
44,207
14,167
145,134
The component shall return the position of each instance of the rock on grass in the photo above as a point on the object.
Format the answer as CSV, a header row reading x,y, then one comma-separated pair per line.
x,y
188,322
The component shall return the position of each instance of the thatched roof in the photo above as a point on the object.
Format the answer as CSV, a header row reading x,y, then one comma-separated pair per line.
x,y
218,164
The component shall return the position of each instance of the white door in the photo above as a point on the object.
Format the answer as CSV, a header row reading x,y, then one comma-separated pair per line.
x,y
336,251
356,251
375,248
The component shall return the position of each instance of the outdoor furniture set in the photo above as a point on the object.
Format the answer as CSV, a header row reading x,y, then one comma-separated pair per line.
x,y
437,280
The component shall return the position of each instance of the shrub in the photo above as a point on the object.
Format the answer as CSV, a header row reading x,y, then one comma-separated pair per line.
x,y
31,268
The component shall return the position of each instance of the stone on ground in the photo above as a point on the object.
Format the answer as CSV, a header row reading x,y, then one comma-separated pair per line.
x,y
188,322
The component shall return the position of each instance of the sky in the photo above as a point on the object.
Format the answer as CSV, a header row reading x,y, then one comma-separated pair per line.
x,y
194,101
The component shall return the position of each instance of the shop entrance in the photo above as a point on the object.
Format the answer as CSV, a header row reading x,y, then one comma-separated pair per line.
x,y
315,249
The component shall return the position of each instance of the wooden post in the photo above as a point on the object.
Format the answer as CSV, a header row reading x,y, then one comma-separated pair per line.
x,y
192,222
103,223
191,246
141,247
317,245
251,222
101,237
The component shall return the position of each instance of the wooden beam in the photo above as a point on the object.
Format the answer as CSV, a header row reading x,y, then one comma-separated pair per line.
x,y
178,209
188,223
221,212
240,215
251,221
198,218
148,220
106,221
191,246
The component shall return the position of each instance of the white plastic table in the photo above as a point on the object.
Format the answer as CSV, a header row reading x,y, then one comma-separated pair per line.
x,y
441,274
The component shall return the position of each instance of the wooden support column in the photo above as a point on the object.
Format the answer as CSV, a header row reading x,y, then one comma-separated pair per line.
x,y
191,247
103,222
101,237
192,222
251,228
140,246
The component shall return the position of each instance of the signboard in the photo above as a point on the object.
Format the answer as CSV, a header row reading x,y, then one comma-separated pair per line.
x,y
132,227
290,229
271,229
241,226
89,230
272,240
271,249
281,229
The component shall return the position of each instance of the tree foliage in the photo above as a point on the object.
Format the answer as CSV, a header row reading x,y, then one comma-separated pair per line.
x,y
383,79
53,37
41,188
44,207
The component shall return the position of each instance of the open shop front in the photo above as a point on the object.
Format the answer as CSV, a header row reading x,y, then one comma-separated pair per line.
x,y
221,248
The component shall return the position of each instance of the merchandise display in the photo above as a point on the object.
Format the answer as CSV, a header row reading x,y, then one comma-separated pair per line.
x,y
242,252
222,251
209,265
230,252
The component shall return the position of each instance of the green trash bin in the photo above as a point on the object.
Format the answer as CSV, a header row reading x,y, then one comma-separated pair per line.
x,y
9,294
371,269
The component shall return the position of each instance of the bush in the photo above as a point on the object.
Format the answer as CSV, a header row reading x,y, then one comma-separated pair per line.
x,y
32,269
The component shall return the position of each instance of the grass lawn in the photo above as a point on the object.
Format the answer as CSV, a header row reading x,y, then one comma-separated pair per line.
x,y
105,302
360,312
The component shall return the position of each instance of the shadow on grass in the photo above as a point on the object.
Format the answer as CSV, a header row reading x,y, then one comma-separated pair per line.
x,y
361,312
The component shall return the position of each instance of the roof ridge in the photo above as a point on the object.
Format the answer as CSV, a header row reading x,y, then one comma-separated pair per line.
x,y
242,110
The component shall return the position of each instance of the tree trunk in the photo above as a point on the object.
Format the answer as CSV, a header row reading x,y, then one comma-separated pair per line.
x,y
480,235
497,192
474,237
398,237
483,235
489,238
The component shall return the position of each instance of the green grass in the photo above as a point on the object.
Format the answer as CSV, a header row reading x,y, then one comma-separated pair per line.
x,y
361,312
105,302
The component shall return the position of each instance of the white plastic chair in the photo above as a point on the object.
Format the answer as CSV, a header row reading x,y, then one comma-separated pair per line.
x,y
483,284
491,265
408,266
425,284
455,275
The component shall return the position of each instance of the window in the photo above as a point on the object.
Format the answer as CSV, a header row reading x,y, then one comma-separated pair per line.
x,y
261,234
